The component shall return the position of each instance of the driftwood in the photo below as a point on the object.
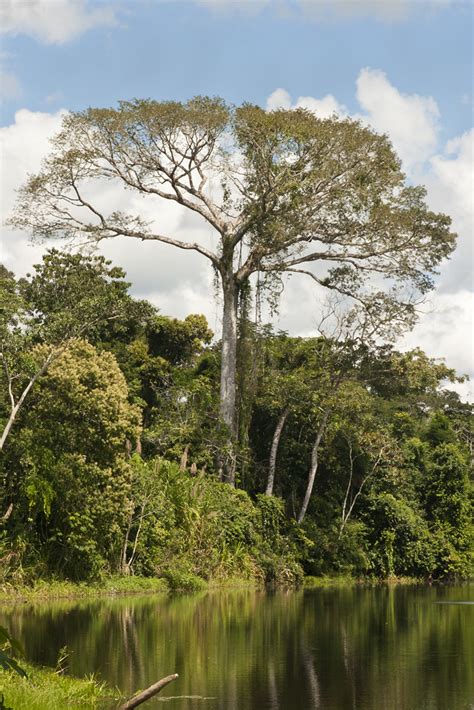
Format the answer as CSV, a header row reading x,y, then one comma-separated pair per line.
x,y
148,693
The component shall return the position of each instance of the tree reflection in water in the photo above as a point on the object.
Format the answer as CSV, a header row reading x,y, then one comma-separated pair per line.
x,y
360,648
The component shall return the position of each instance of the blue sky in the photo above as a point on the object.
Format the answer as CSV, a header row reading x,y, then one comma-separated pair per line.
x,y
178,49
403,66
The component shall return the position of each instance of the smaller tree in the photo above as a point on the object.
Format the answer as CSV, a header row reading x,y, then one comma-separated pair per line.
x,y
346,338
286,386
370,448
68,296
71,483
448,505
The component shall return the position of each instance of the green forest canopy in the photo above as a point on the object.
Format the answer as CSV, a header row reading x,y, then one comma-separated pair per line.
x,y
109,466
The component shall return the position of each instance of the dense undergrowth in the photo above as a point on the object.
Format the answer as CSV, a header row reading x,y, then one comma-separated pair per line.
x,y
193,531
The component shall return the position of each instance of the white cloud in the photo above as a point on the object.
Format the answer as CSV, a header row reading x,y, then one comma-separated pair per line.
x,y
453,169
446,331
323,108
279,99
450,183
410,120
177,282
412,124
53,21
22,147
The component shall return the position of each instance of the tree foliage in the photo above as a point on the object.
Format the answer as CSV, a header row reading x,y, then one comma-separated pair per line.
x,y
68,296
111,467
69,482
285,191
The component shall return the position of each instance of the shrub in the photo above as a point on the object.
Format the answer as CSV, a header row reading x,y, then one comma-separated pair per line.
x,y
180,580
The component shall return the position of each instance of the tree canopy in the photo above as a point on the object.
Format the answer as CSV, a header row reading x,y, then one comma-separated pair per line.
x,y
285,191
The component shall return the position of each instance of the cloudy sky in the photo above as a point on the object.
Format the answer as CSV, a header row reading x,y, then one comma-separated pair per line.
x,y
404,66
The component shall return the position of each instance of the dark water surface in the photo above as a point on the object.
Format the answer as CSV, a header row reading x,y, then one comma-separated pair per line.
x,y
383,648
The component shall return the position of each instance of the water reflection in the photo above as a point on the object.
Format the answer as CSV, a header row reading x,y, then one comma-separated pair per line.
x,y
390,648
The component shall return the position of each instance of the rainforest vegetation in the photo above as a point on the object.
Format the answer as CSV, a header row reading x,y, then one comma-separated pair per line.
x,y
137,444
351,458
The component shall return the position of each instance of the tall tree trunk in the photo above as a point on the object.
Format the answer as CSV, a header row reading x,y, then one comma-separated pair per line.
x,y
314,464
274,451
228,373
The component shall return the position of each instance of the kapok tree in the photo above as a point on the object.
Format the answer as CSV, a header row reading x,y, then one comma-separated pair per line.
x,y
285,192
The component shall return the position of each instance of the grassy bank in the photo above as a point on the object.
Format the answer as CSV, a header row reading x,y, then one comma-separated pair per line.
x,y
57,589
176,582
114,586
348,581
44,688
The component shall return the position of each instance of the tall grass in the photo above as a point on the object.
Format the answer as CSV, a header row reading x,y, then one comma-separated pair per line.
x,y
45,689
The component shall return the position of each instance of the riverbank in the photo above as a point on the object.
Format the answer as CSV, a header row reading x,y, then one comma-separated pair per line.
x,y
119,586
61,589
116,586
45,688
347,581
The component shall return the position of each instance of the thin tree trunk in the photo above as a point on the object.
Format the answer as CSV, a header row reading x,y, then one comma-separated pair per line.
x,y
8,426
124,567
274,451
135,542
228,374
16,406
348,489
347,512
314,465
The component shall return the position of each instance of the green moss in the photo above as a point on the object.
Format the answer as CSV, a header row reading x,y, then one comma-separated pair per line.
x,y
46,689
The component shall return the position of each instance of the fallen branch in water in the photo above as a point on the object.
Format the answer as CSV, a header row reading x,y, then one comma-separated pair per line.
x,y
148,693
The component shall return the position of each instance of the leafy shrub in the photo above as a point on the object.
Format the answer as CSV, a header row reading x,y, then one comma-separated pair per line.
x,y
180,580
334,554
276,552
400,540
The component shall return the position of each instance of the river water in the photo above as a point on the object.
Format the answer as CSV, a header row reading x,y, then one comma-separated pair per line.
x,y
379,648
